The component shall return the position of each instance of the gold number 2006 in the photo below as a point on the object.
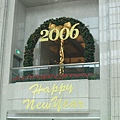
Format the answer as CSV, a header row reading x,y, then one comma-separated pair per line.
x,y
49,34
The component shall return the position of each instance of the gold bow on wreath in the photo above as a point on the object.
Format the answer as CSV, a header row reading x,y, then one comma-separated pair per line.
x,y
53,26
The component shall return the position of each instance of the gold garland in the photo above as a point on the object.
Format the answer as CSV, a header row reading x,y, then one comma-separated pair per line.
x,y
61,70
53,26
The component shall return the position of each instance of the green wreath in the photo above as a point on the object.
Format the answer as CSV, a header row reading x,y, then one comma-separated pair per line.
x,y
84,32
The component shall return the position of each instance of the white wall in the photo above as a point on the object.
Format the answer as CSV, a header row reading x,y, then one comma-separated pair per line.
x,y
7,17
87,11
3,12
19,28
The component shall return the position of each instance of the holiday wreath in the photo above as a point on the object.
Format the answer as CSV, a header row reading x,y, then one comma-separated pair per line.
x,y
83,31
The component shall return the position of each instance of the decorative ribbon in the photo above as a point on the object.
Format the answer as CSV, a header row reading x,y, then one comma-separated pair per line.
x,y
53,26
83,44
61,70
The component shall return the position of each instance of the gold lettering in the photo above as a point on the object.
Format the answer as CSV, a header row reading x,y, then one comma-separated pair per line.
x,y
57,103
54,89
36,90
54,102
29,103
46,90
73,104
46,105
81,103
69,88
38,106
59,30
62,88
65,104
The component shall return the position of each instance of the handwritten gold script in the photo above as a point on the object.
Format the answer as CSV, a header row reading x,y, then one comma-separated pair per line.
x,y
53,103
36,88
